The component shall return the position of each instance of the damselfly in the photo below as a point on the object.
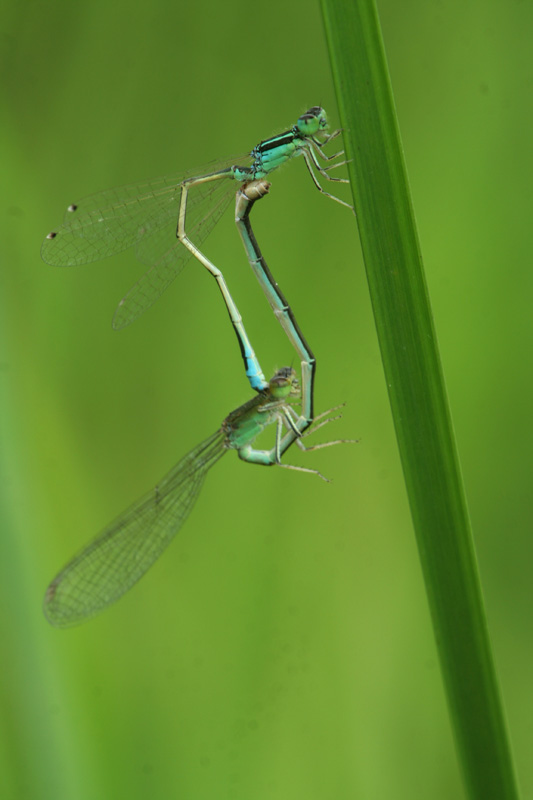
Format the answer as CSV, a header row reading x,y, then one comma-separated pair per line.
x,y
167,219
113,562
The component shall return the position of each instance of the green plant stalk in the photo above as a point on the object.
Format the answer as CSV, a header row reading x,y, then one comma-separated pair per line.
x,y
418,396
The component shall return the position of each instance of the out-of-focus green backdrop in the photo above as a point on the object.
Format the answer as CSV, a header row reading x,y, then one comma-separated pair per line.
x,y
282,647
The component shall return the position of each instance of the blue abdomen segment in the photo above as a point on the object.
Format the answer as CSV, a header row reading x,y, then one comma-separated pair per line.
x,y
254,373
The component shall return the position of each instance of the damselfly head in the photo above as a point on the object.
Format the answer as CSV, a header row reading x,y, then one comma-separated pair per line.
x,y
312,121
284,383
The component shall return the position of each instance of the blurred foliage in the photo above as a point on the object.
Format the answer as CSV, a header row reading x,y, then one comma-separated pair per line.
x,y
282,647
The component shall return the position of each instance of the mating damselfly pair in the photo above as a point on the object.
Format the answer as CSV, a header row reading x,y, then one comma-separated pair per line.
x,y
166,220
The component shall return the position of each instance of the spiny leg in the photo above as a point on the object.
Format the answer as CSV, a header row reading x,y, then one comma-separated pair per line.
x,y
318,148
288,412
329,138
323,419
305,469
307,158
325,170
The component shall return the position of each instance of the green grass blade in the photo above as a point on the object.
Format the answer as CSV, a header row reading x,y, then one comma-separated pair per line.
x,y
418,396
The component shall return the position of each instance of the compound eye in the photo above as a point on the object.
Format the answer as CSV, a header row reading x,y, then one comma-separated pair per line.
x,y
308,124
312,121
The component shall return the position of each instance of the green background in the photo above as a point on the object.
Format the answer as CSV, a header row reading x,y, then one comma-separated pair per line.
x,y
282,648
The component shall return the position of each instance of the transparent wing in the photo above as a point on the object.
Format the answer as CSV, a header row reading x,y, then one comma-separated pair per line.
x,y
164,254
114,561
143,215
113,220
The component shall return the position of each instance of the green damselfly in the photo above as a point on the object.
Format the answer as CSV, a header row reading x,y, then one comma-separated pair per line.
x,y
116,559
167,219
